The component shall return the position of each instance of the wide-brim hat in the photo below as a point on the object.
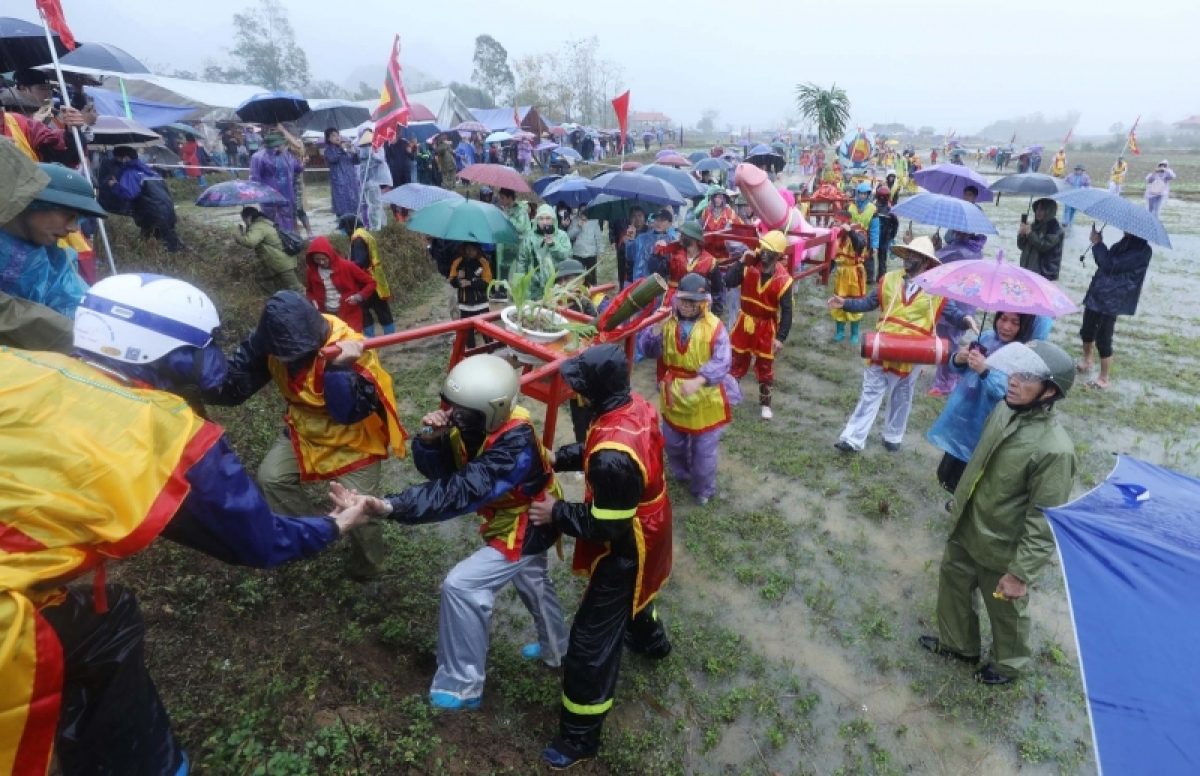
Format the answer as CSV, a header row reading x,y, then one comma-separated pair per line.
x,y
691,229
920,248
570,268
67,190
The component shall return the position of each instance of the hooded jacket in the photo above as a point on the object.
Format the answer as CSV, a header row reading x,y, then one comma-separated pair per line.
x,y
347,278
1041,249
263,237
1120,273
534,253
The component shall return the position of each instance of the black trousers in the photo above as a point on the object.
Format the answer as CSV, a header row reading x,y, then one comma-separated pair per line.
x,y
1098,328
602,625
379,310
581,419
471,332
589,263
950,471
112,722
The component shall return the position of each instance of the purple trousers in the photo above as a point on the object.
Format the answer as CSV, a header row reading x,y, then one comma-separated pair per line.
x,y
693,459
946,377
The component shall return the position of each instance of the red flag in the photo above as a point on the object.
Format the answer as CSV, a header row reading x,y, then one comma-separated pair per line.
x,y
517,117
52,12
621,106
393,110
1067,139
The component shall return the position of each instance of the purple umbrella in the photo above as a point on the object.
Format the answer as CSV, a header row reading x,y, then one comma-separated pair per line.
x,y
545,145
951,179
239,192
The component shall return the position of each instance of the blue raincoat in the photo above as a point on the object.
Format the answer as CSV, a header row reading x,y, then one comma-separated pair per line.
x,y
48,276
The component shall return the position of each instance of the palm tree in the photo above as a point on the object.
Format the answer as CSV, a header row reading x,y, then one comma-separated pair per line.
x,y
829,109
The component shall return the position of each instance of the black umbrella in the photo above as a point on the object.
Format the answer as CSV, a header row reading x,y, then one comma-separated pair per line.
x,y
103,56
23,45
339,114
158,155
273,108
117,130
1031,183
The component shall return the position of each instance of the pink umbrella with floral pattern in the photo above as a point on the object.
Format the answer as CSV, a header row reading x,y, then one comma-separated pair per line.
x,y
994,286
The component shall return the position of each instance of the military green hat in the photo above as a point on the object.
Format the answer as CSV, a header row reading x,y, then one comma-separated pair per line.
x,y
67,190
570,269
692,229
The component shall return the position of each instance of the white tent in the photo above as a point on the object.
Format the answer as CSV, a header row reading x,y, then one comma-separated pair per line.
x,y
217,101
448,110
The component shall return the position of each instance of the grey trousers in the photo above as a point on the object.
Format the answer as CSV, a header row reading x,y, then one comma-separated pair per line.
x,y
468,598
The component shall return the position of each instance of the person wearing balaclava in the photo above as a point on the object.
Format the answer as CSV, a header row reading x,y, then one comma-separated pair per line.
x,y
696,391
765,316
906,310
481,454
1023,464
119,461
542,249
342,421
622,542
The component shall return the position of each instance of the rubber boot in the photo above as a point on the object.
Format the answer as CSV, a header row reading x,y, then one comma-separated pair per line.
x,y
841,332
369,331
389,328
854,332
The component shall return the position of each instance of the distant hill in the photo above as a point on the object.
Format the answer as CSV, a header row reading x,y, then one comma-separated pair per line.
x,y
415,80
1034,128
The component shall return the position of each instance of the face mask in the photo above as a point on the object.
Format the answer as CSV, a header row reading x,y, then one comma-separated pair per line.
x,y
547,229
912,267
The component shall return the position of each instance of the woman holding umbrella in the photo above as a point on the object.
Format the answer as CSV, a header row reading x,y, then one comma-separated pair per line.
x,y
343,181
273,165
1114,290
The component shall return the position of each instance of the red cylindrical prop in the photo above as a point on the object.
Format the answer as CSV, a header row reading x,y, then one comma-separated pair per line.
x,y
905,348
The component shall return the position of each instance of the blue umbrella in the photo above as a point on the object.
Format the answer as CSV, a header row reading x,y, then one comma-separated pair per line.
x,y
696,156
712,165
1129,551
541,183
414,196
23,45
634,185
571,190
273,108
951,179
945,212
1118,211
682,181
570,153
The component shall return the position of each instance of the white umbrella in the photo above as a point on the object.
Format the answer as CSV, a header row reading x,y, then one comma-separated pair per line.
x,y
498,137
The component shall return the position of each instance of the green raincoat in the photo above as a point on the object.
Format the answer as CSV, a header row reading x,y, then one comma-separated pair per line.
x,y
533,252
506,254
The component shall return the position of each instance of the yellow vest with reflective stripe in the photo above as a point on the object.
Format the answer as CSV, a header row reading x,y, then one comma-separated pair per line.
x,y
900,315
90,469
706,409
326,449
862,217
381,285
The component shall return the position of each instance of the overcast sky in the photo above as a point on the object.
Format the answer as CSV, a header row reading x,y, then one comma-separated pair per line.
x,y
954,65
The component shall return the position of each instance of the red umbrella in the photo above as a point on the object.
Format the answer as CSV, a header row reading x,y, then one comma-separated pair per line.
x,y
630,166
418,112
673,160
495,175
557,131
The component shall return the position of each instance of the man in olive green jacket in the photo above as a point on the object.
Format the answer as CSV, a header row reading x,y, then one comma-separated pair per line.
x,y
276,269
1024,462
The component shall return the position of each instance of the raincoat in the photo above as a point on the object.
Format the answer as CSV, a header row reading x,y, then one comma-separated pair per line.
x,y
343,180
48,275
1120,272
274,265
1041,249
623,541
643,250
850,278
534,254
347,278
278,168
506,253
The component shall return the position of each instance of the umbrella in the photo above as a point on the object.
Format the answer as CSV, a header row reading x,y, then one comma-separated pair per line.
x,y
114,130
23,45
541,183
995,286
415,196
418,112
635,185
647,133
668,151
273,108
1118,211
183,129
945,212
1128,550
765,156
570,153
103,56
158,154
464,219
696,156
627,166
494,175
606,207
558,131
951,179
683,182
545,145
338,114
498,137
524,135
239,192
472,126
673,160
1032,183
571,190
712,165
1037,149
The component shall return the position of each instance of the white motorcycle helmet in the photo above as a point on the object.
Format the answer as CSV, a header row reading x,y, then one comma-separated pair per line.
x,y
140,318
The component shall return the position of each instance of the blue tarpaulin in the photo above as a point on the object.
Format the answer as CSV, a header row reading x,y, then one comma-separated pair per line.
x,y
1131,556
145,112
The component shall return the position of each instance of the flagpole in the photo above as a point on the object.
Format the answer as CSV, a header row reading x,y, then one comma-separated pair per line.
x,y
83,162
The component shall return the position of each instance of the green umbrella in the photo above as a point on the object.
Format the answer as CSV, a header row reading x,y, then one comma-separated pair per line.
x,y
467,220
184,129
606,207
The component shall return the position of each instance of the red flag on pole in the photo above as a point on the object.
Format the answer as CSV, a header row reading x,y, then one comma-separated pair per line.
x,y
53,13
517,117
1067,139
621,106
393,110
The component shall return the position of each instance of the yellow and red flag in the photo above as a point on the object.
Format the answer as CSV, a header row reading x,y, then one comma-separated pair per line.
x,y
52,12
1132,142
393,110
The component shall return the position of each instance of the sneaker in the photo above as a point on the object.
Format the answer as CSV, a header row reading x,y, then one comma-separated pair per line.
x,y
891,447
990,676
934,645
844,446
766,413
447,702
560,760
